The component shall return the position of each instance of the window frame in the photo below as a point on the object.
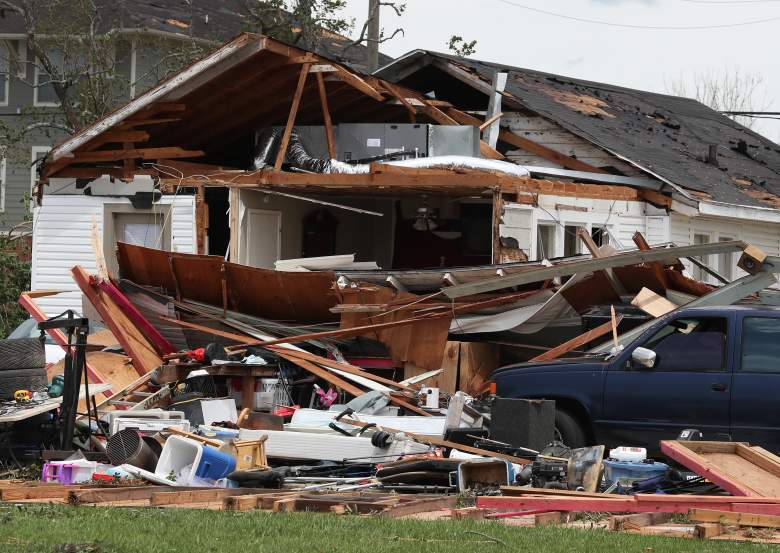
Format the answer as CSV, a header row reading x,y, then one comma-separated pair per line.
x,y
724,367
22,72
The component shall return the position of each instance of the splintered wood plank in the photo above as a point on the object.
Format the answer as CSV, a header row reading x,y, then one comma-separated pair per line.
x,y
195,496
37,492
638,520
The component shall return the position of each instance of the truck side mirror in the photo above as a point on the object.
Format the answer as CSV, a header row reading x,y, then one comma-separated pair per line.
x,y
643,357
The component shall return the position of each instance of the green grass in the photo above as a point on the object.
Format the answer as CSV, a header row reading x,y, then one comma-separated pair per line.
x,y
39,528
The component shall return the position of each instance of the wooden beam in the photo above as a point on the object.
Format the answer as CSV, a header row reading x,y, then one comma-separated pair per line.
x,y
133,153
296,101
490,120
655,198
329,137
657,266
576,342
729,517
355,81
404,102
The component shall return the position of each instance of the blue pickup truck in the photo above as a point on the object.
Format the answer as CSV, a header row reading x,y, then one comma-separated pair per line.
x,y
716,369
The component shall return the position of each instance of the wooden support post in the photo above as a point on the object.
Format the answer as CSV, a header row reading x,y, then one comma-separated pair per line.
x,y
498,211
657,266
296,102
247,391
326,116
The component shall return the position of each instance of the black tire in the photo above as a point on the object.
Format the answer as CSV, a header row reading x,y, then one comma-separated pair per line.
x,y
571,429
22,353
21,379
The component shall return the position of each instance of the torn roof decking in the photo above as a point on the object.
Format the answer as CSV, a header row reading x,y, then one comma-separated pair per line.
x,y
666,135
245,85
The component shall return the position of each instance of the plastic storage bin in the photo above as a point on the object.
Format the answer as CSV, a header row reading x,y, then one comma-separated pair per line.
x,y
214,464
179,453
69,472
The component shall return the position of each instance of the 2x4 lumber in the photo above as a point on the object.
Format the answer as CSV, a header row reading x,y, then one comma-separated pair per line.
x,y
118,136
356,82
329,137
577,341
133,153
420,506
296,101
657,266
707,530
131,338
590,265
666,504
158,499
37,492
636,521
107,495
529,146
729,517
614,281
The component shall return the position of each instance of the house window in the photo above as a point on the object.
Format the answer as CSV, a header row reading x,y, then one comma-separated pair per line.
x,y
600,235
571,241
44,94
545,241
38,153
726,260
700,239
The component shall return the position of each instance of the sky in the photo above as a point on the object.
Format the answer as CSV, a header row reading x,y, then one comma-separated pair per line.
x,y
642,58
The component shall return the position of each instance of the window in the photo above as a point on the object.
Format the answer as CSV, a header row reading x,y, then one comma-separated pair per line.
x,y
44,94
600,235
760,345
38,153
698,273
690,345
545,241
726,260
571,241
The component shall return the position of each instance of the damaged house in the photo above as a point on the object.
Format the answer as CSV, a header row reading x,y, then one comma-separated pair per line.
x,y
373,192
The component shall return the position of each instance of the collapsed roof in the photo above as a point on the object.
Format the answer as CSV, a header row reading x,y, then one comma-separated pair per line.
x,y
667,136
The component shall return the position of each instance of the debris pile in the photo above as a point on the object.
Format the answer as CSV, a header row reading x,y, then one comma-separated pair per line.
x,y
367,392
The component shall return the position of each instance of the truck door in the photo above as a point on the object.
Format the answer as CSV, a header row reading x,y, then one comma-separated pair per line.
x,y
755,406
689,385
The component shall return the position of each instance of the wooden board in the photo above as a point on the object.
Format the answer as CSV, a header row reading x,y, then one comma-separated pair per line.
x,y
735,467
652,303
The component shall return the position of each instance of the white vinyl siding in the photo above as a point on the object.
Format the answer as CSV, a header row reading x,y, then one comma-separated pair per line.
x,y
63,238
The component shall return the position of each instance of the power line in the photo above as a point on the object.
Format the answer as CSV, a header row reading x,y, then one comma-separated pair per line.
x,y
644,27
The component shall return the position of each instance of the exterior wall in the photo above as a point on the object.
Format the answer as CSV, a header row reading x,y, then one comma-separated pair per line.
x,y
763,235
549,134
63,238
520,222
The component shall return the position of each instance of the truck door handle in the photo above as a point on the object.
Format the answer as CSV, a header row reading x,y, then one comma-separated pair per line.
x,y
719,387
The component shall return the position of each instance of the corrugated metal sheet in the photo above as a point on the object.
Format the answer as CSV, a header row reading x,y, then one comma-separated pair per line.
x,y
63,238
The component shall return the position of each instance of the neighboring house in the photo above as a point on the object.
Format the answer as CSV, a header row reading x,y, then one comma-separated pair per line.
x,y
190,181
719,180
148,31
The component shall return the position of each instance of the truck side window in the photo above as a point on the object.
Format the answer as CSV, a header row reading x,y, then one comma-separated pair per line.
x,y
691,345
760,345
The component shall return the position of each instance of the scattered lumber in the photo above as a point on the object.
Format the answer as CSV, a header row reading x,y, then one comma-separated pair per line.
x,y
729,517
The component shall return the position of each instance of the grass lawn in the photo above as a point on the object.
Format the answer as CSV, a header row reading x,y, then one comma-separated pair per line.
x,y
60,529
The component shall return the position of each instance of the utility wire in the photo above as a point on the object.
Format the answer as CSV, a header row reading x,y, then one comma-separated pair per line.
x,y
643,27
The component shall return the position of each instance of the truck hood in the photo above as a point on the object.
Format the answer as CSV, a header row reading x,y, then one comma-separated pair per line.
x,y
583,364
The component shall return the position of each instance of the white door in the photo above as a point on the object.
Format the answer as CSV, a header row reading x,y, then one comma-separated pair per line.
x,y
263,243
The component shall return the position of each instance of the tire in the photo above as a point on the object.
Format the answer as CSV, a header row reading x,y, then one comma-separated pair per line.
x,y
21,379
22,353
571,430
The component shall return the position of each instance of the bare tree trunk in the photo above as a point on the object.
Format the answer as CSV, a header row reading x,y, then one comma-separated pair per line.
x,y
372,42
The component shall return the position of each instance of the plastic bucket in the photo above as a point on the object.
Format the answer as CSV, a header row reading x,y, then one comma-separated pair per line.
x,y
214,464
179,453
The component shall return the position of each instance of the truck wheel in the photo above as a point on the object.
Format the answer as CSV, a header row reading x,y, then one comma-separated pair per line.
x,y
570,429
